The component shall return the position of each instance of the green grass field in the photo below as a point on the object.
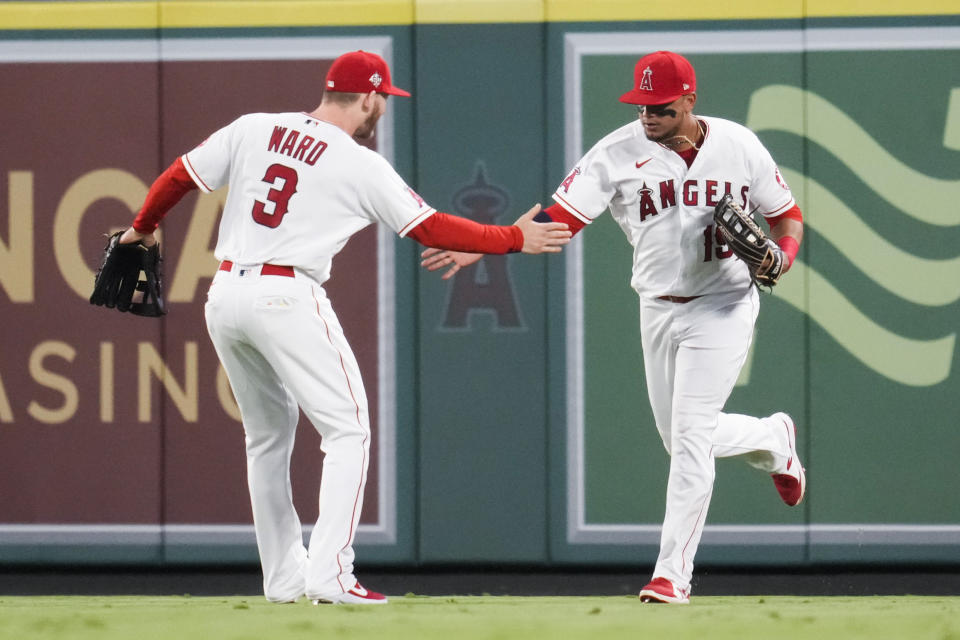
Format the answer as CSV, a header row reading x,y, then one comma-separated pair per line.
x,y
472,617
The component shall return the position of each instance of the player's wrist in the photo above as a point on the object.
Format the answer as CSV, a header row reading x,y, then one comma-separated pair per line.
x,y
790,247
143,228
518,239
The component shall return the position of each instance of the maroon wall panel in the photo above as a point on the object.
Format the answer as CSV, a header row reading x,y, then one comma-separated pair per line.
x,y
61,122
177,458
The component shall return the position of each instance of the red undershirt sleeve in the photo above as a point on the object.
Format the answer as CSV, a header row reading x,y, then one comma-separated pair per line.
x,y
165,192
788,244
556,213
453,233
793,213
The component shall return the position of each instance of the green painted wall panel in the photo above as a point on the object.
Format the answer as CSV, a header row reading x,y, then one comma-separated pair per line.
x,y
482,385
884,375
857,343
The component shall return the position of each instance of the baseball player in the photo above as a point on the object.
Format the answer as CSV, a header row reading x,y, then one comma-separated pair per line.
x,y
300,186
661,177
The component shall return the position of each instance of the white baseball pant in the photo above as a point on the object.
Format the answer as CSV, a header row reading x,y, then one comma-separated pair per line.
x,y
693,353
282,348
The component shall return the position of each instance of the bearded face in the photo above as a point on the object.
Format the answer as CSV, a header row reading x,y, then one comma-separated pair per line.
x,y
369,126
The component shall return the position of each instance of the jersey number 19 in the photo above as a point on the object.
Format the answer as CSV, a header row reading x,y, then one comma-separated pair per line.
x,y
714,244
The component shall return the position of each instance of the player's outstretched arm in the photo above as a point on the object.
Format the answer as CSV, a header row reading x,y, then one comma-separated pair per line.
x,y
453,233
539,236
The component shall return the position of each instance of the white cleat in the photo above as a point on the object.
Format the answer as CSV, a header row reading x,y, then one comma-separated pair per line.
x,y
355,595
792,483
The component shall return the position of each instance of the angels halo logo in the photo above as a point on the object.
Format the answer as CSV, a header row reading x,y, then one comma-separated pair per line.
x,y
486,288
780,180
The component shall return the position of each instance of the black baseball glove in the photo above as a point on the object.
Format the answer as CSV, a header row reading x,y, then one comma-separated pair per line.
x,y
746,239
118,284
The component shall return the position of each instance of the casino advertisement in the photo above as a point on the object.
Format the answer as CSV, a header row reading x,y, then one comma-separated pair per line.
x,y
131,419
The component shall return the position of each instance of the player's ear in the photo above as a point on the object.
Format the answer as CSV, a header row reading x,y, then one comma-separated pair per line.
x,y
691,100
369,101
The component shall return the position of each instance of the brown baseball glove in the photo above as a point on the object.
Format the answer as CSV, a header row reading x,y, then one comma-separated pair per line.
x,y
746,239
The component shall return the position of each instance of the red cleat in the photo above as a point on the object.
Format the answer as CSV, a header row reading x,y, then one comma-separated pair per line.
x,y
662,591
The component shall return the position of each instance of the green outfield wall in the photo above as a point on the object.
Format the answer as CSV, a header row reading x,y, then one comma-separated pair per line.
x,y
510,416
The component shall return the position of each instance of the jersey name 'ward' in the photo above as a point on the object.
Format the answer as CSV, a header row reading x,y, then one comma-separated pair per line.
x,y
306,149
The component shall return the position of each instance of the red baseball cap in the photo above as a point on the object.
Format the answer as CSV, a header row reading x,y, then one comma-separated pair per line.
x,y
361,72
659,78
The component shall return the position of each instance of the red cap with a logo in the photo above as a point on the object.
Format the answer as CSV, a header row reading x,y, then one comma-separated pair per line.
x,y
361,72
659,78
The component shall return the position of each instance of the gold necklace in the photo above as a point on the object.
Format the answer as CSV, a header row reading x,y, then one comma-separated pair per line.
x,y
684,139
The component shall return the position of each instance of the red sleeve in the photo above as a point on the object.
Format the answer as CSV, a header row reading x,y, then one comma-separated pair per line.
x,y
790,247
557,213
788,244
793,213
166,191
445,231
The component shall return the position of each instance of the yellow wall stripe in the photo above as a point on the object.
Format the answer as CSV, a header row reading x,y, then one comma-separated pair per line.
x,y
281,13
853,8
622,10
475,11
78,15
297,13
616,10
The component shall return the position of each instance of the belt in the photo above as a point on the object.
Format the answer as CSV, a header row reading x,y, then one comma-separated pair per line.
x,y
265,270
678,299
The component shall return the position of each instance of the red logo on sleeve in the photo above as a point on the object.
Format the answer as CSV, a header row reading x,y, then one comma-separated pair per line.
x,y
780,180
569,180
416,197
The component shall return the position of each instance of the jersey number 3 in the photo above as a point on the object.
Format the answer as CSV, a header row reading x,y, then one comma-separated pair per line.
x,y
279,197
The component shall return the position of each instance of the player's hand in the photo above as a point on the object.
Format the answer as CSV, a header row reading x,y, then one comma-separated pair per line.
x,y
131,236
434,259
542,237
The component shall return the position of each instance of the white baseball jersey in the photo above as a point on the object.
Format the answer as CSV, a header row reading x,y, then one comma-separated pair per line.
x,y
666,209
299,188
